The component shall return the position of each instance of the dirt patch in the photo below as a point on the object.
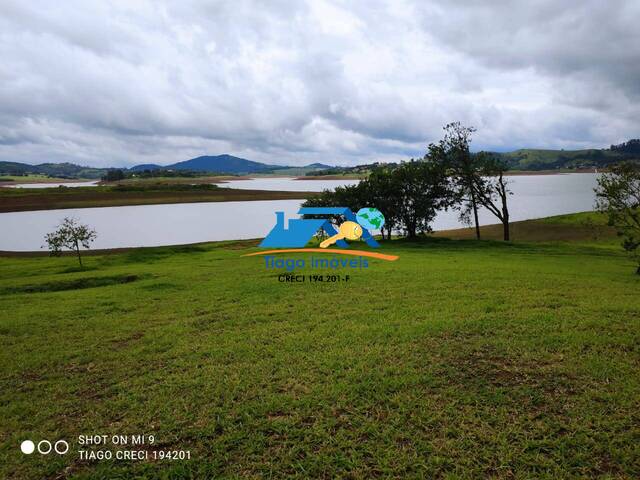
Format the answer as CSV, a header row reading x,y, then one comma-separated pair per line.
x,y
487,367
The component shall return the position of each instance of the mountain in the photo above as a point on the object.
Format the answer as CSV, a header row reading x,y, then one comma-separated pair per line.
x,y
318,166
223,164
214,164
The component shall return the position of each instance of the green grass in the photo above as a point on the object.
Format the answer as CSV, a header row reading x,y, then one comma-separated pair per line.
x,y
584,227
462,359
34,178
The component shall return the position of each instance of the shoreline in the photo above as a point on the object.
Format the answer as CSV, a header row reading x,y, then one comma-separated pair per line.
x,y
490,232
508,173
561,171
62,181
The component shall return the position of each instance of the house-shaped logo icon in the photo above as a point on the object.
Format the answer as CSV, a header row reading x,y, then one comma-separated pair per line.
x,y
299,231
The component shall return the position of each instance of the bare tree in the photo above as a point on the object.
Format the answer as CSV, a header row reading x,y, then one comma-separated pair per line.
x,y
491,189
70,235
464,168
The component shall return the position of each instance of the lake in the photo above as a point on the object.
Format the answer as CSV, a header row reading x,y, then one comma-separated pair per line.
x,y
534,196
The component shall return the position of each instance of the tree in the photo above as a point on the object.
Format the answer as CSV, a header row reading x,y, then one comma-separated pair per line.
x,y
408,195
70,235
464,170
421,188
491,188
113,175
382,193
618,195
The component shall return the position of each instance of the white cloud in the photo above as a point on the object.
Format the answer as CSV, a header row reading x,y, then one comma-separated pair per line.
x,y
121,83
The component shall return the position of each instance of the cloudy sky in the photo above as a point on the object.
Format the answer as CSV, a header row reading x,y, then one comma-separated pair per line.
x,y
292,82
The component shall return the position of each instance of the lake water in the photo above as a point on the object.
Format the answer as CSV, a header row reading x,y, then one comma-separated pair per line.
x,y
534,196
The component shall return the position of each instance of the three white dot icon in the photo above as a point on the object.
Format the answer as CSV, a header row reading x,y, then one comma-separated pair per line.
x,y
44,447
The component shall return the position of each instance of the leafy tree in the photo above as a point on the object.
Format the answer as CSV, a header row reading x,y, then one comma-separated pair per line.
x,y
491,188
382,193
421,188
463,168
113,175
70,235
631,148
618,195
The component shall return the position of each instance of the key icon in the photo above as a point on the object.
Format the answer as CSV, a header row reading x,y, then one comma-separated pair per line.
x,y
349,230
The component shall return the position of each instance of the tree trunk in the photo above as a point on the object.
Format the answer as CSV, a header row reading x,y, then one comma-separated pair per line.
x,y
505,227
78,253
475,215
638,270
505,210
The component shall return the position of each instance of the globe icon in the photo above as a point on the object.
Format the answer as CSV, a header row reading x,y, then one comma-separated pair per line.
x,y
370,218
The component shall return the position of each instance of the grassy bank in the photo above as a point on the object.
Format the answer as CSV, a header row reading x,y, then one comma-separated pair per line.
x,y
13,179
461,359
582,227
17,200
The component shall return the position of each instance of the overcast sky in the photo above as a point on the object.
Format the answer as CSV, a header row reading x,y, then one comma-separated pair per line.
x,y
293,82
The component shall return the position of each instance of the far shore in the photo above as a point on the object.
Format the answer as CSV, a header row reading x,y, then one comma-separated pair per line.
x,y
31,180
560,171
89,198
507,173
230,178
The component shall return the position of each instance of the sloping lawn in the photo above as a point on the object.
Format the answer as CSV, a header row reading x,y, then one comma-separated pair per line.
x,y
462,359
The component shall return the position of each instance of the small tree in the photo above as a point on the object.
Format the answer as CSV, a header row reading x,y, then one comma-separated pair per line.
x,y
70,234
618,195
463,166
113,175
491,189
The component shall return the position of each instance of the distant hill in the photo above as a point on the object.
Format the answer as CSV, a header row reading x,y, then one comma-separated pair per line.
x,y
533,159
60,170
317,165
524,159
214,164
223,164
530,159
145,166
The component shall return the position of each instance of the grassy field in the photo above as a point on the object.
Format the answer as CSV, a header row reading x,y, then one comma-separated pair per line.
x,y
33,178
24,199
462,359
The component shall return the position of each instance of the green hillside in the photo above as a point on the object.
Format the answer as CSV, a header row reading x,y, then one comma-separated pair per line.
x,y
462,359
57,170
531,159
535,159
